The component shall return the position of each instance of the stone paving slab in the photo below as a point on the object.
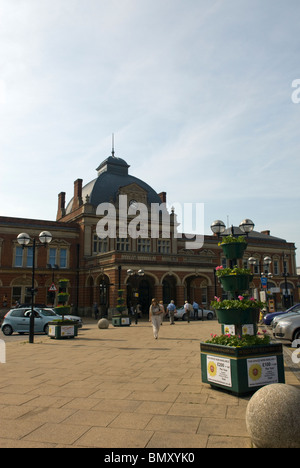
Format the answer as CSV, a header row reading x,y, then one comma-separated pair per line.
x,y
118,388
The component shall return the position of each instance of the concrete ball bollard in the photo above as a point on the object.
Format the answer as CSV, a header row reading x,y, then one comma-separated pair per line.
x,y
103,324
272,417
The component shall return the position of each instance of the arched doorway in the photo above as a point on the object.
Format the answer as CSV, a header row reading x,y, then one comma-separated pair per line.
x,y
169,289
196,289
103,285
140,291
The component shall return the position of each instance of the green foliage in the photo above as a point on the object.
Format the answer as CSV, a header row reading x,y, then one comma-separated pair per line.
x,y
220,271
240,342
241,303
230,240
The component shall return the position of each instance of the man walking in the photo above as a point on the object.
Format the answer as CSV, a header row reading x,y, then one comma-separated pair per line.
x,y
171,309
196,309
188,308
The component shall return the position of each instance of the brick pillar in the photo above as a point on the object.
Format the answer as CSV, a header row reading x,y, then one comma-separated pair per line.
x,y
180,296
158,293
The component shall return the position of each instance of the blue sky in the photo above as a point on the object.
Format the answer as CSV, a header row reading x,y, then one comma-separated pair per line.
x,y
197,92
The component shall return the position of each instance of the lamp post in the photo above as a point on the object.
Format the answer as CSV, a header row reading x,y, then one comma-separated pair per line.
x,y
218,227
24,240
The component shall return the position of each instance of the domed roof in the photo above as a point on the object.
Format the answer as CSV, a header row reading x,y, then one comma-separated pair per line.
x,y
112,174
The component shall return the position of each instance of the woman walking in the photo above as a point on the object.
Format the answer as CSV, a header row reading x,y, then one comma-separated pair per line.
x,y
155,316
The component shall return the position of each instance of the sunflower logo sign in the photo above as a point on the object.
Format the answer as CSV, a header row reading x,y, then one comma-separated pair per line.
x,y
219,370
262,371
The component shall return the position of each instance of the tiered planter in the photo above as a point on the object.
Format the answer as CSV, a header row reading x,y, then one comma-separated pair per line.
x,y
118,320
63,329
244,369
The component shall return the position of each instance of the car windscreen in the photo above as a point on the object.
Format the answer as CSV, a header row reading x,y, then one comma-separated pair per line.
x,y
47,313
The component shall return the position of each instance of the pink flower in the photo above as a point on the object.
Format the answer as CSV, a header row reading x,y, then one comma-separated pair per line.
x,y
219,268
252,299
241,298
218,299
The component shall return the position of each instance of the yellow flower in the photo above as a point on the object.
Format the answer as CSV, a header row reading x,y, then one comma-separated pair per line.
x,y
212,369
255,372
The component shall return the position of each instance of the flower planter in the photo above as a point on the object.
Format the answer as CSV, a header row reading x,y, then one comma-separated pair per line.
x,y
236,282
119,321
63,310
241,370
63,283
234,250
62,330
237,316
62,298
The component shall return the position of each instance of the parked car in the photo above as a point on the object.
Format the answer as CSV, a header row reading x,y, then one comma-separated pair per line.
x,y
269,317
288,328
75,318
181,314
279,317
18,320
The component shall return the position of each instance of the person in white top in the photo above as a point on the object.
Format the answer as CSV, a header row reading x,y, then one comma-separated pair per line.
x,y
155,316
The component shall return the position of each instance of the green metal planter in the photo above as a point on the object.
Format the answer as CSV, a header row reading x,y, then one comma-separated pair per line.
x,y
63,298
234,250
237,316
241,370
236,282
62,330
119,321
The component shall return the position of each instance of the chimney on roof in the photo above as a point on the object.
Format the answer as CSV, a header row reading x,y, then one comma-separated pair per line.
x,y
61,211
163,197
267,232
77,200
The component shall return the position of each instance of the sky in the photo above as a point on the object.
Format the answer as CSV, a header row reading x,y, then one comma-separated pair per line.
x,y
198,93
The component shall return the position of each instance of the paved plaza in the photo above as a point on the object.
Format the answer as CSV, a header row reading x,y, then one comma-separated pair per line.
x,y
118,388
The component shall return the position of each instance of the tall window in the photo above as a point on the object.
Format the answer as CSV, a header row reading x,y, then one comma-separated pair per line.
x,y
58,256
163,246
144,245
29,260
123,244
23,257
19,257
100,245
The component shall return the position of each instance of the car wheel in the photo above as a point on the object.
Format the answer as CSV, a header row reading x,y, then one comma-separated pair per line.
x,y
184,317
7,330
296,335
210,316
46,329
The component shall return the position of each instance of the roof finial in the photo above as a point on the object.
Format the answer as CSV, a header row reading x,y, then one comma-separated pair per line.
x,y
113,145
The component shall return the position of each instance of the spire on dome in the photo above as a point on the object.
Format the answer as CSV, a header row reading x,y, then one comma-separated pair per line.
x,y
113,145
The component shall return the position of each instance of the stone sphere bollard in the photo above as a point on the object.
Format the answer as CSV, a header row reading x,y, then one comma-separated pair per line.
x,y
272,417
103,324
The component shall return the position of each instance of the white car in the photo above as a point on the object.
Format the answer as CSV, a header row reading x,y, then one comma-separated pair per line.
x,y
181,314
288,328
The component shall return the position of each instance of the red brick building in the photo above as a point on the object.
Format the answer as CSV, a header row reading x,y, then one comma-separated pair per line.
x,y
97,268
